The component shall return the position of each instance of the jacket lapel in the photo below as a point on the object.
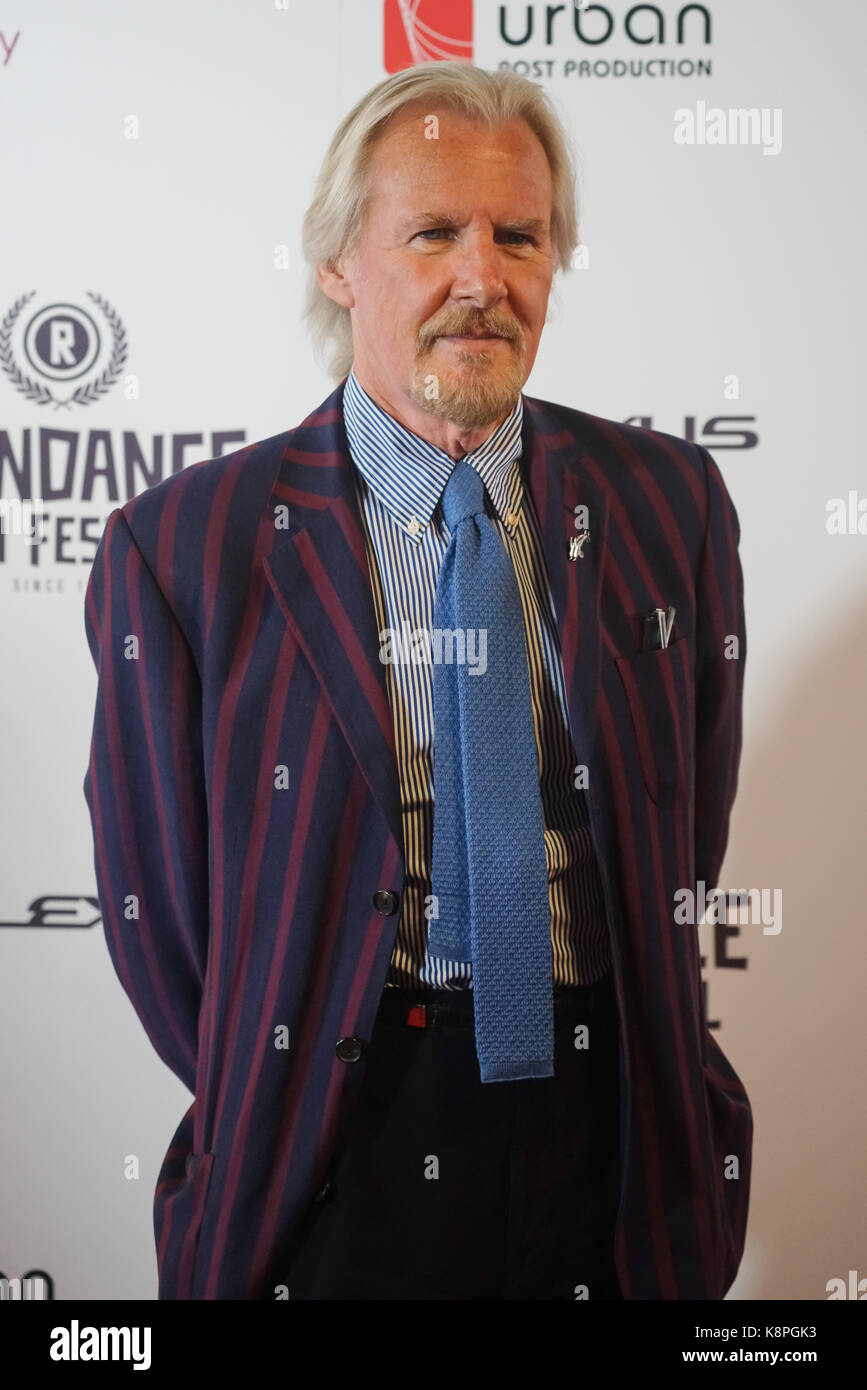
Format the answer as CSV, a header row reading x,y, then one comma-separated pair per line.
x,y
560,481
318,570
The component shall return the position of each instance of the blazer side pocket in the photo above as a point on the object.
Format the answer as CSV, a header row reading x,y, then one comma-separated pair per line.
x,y
730,1117
179,1210
660,692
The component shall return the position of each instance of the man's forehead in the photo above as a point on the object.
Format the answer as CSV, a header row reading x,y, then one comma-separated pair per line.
x,y
413,174
410,130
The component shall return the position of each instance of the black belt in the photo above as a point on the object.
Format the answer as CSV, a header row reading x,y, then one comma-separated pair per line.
x,y
427,1008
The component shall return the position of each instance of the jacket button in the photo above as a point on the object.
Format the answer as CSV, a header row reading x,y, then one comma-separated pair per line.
x,y
385,901
349,1049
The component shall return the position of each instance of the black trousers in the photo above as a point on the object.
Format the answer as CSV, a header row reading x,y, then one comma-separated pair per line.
x,y
449,1188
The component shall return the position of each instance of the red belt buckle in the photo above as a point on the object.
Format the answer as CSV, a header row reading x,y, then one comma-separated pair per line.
x,y
417,1016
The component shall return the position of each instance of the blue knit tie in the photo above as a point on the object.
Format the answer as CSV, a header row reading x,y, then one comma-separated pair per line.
x,y
489,873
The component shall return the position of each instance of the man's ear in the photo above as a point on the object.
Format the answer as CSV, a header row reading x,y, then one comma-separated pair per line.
x,y
334,283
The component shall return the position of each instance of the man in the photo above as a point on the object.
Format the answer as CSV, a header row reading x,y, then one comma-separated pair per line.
x,y
411,722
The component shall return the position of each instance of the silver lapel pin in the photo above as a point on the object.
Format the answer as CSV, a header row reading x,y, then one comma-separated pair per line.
x,y
575,546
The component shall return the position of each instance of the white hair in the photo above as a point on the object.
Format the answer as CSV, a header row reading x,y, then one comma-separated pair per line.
x,y
334,220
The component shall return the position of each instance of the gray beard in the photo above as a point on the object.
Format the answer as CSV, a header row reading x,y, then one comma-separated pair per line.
x,y
470,396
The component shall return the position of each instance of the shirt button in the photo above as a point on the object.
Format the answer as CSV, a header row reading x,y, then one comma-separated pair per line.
x,y
385,901
349,1049
511,519
414,526
323,1191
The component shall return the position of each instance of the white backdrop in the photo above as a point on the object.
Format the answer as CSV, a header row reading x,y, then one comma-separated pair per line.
x,y
159,157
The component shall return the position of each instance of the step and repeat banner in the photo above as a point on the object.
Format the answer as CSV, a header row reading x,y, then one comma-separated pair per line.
x,y
157,163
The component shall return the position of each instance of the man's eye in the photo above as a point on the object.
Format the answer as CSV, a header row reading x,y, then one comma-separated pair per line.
x,y
435,231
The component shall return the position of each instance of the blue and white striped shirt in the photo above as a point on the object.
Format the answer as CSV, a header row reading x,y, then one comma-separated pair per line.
x,y
399,482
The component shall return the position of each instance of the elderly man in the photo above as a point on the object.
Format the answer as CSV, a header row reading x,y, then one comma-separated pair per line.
x,y
411,721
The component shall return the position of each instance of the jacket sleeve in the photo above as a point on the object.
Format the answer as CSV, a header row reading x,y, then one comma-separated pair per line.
x,y
719,677
146,794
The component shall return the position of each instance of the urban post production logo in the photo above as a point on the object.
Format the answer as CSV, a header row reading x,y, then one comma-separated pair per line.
x,y
62,354
425,31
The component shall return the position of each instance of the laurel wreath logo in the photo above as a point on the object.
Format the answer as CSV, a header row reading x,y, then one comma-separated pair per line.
x,y
87,392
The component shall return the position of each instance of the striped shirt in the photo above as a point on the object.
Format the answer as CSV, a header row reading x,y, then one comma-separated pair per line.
x,y
399,480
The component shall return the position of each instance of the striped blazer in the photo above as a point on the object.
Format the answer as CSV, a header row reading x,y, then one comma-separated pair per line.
x,y
244,799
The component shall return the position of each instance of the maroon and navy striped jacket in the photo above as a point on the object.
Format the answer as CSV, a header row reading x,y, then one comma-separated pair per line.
x,y
244,798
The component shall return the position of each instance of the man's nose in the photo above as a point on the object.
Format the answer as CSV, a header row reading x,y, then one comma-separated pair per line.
x,y
478,272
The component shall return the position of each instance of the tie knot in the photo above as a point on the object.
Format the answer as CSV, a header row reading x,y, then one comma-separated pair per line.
x,y
463,495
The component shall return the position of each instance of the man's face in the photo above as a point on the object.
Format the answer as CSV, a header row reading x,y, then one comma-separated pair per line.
x,y
456,241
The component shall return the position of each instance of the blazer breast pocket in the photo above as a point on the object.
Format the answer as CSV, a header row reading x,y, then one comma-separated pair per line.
x,y
659,687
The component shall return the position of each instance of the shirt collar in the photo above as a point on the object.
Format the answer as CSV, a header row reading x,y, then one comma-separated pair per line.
x,y
408,474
